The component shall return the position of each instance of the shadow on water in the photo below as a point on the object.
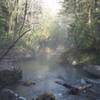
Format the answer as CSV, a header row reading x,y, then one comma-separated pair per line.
x,y
44,72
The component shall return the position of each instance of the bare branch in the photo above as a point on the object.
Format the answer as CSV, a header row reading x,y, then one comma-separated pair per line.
x,y
13,44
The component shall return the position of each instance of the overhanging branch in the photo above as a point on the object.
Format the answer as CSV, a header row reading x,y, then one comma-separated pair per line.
x,y
13,44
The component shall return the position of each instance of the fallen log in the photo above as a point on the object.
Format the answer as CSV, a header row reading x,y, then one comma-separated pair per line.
x,y
74,90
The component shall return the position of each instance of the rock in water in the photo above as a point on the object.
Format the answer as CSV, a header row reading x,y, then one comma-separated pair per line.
x,y
27,83
46,96
21,98
9,77
7,94
93,70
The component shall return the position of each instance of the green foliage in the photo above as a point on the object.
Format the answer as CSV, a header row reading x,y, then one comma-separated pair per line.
x,y
1,25
15,18
84,32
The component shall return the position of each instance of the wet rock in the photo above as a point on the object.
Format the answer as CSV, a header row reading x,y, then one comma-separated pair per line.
x,y
93,70
7,94
83,81
46,96
21,98
27,83
91,81
9,77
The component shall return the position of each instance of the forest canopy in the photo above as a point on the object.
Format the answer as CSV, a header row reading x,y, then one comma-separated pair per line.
x,y
80,34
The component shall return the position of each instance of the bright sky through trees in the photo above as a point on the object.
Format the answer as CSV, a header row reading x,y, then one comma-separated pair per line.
x,y
52,6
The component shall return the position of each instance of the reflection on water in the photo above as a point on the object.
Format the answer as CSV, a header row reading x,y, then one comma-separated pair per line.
x,y
44,72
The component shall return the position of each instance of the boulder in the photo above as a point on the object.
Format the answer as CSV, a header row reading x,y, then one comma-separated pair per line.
x,y
92,70
46,96
27,83
9,77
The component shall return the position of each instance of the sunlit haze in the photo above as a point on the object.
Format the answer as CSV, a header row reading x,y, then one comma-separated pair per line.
x,y
52,6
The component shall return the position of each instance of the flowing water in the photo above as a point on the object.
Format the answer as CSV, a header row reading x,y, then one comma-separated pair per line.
x,y
45,71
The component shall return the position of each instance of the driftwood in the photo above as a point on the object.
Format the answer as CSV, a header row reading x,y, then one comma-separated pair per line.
x,y
88,87
74,90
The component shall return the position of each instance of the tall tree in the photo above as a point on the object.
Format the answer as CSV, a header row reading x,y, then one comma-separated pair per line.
x,y
84,31
17,15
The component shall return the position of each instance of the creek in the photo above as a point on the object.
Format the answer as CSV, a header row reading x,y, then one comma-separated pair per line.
x,y
45,71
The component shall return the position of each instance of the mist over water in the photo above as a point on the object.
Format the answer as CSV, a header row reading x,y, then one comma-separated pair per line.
x,y
45,70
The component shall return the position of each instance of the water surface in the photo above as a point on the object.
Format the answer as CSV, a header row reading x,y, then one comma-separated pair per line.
x,y
45,71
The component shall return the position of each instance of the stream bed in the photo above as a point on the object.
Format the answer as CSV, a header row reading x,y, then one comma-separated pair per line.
x,y
44,72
